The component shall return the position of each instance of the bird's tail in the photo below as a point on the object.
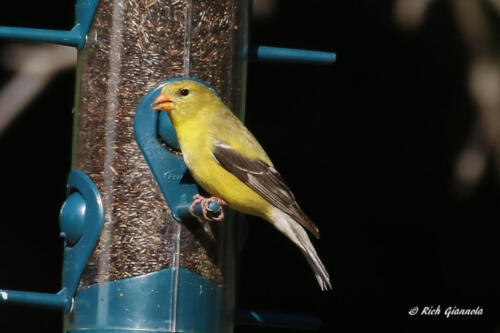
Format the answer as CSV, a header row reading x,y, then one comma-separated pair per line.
x,y
297,234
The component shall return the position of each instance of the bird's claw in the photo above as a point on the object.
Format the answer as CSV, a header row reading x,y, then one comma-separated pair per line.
x,y
208,215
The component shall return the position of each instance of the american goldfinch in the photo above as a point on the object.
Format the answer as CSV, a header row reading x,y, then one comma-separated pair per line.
x,y
226,160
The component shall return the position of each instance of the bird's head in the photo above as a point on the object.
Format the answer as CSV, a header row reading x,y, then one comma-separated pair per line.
x,y
184,99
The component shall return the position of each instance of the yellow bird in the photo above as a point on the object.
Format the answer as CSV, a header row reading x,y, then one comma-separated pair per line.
x,y
226,160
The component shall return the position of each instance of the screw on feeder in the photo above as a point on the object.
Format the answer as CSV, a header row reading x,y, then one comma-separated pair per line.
x,y
72,218
213,206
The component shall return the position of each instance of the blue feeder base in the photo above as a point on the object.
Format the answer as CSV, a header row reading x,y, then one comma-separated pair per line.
x,y
148,303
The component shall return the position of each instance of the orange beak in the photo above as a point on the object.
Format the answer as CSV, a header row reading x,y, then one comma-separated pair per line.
x,y
163,102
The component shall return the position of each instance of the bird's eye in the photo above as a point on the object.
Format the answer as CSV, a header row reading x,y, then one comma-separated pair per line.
x,y
184,92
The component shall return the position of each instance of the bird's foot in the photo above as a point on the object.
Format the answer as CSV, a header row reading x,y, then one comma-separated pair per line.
x,y
208,214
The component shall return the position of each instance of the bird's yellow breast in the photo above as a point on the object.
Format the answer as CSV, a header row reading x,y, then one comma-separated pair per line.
x,y
196,148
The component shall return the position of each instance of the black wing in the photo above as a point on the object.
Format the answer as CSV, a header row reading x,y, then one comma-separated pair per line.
x,y
263,179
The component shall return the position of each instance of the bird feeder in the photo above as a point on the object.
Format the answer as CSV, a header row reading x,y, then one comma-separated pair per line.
x,y
135,260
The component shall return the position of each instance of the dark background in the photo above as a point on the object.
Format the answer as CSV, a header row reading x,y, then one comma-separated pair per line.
x,y
368,145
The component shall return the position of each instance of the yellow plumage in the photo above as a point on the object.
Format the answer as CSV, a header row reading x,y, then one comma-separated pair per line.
x,y
198,126
227,161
